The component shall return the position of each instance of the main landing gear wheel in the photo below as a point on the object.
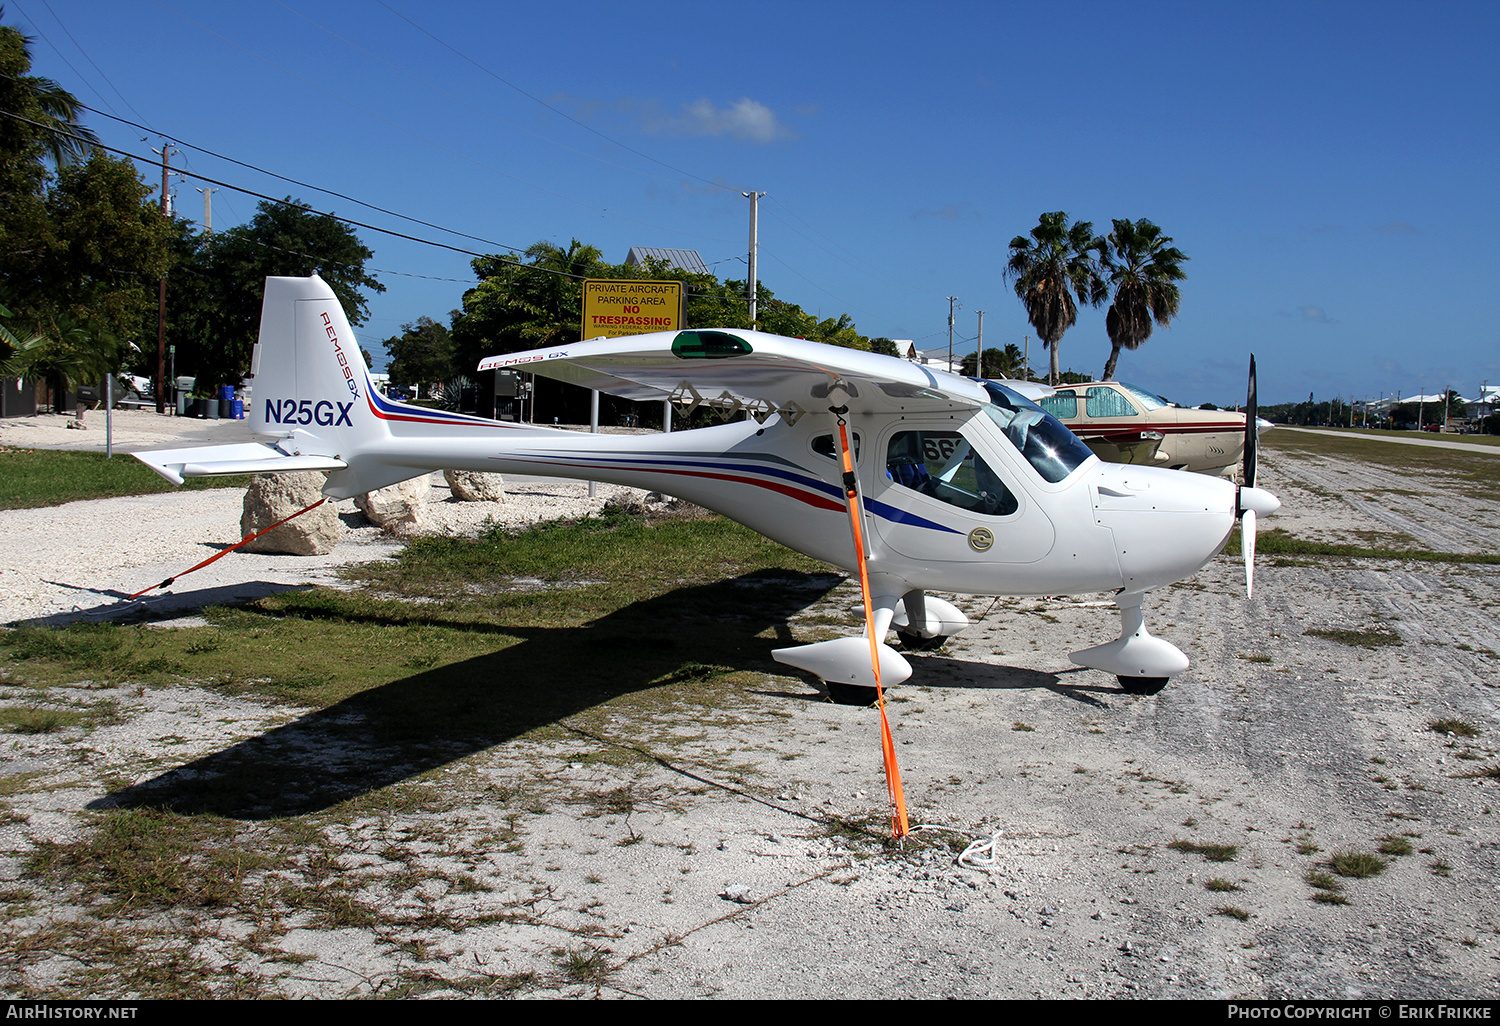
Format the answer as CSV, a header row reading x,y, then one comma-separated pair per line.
x,y
920,643
849,694
1142,685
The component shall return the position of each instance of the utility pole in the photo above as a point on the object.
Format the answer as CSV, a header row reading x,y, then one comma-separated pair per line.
x,y
161,295
1026,344
951,301
979,348
208,210
754,198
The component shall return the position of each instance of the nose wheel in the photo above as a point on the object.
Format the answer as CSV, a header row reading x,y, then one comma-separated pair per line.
x,y
1142,685
1141,662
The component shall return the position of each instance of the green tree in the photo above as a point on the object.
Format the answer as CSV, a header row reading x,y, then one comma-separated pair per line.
x,y
535,300
1009,362
1057,262
422,353
217,283
1143,268
39,127
43,116
527,302
109,245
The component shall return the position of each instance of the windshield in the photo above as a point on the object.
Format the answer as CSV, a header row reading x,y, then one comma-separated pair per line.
x,y
1052,449
1149,400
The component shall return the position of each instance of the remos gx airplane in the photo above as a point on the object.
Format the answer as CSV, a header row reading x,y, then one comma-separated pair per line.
x,y
965,486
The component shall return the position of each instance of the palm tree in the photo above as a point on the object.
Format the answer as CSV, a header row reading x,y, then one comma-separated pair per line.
x,y
1057,260
1143,268
51,112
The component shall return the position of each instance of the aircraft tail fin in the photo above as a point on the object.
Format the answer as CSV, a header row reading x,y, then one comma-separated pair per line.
x,y
310,384
314,407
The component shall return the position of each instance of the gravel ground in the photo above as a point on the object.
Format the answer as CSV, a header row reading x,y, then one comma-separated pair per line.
x,y
714,866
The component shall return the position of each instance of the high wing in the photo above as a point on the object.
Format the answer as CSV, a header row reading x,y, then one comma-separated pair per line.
x,y
732,370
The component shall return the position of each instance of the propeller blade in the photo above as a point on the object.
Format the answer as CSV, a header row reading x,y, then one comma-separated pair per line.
x,y
1252,433
1247,545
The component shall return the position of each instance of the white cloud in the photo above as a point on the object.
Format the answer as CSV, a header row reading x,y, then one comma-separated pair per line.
x,y
1398,228
746,120
1316,314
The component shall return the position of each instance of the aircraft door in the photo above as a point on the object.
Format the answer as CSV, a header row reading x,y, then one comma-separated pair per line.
x,y
942,496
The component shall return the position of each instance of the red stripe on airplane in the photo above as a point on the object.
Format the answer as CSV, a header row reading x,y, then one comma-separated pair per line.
x,y
811,499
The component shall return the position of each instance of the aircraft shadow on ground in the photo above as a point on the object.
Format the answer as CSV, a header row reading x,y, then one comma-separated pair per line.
x,y
162,606
388,734
945,672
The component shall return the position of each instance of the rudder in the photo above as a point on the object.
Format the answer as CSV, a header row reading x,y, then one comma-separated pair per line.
x,y
309,379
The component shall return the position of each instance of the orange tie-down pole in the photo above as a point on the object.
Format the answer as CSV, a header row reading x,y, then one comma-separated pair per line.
x,y
899,825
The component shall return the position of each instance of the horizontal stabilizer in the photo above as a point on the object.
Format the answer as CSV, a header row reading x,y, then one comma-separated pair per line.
x,y
222,460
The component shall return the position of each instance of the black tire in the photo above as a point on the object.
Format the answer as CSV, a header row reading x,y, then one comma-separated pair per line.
x,y
1142,685
849,694
918,643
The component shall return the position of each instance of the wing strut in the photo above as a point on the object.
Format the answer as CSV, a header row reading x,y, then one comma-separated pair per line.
x,y
899,824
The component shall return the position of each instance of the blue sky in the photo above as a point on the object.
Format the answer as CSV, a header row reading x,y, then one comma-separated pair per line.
x,y
1329,168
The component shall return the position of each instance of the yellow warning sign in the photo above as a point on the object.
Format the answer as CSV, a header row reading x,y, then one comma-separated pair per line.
x,y
617,308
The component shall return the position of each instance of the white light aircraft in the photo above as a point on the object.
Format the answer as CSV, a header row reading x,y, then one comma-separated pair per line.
x,y
965,486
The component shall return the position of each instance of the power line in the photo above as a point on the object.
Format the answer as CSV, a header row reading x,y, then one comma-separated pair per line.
x,y
345,220
416,135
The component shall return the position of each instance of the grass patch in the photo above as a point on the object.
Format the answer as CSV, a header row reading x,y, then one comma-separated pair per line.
x,y
1277,542
1323,881
1357,864
34,478
1232,912
1394,844
1220,885
100,652
1458,728
29,720
589,965
1018,725
147,859
1354,638
1211,852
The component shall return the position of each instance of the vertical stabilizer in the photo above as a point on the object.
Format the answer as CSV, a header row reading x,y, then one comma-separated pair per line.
x,y
310,382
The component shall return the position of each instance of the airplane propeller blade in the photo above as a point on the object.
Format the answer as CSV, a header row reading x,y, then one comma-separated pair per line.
x,y
1252,433
1252,499
1247,544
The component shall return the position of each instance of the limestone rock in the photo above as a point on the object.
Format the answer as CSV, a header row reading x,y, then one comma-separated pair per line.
x,y
400,508
470,486
273,496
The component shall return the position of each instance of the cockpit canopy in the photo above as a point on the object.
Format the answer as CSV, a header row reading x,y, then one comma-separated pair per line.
x,y
1053,450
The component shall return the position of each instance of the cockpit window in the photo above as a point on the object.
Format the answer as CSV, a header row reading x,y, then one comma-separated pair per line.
x,y
1062,404
943,465
1052,449
1147,400
827,445
1106,402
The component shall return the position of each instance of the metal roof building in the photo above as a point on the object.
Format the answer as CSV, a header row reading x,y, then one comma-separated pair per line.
x,y
683,259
